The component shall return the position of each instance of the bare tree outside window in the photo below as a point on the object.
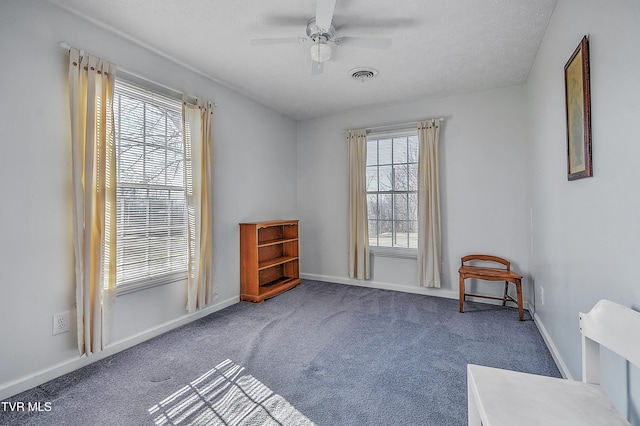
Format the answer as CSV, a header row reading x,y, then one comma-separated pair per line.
x,y
392,204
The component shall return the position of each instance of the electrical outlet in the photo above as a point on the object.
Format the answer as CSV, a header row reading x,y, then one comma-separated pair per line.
x,y
541,295
61,323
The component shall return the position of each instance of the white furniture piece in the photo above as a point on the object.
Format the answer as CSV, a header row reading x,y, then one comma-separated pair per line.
x,y
499,397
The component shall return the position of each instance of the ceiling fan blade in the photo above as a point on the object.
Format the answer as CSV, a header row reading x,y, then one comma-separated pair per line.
x,y
317,67
277,40
324,13
365,42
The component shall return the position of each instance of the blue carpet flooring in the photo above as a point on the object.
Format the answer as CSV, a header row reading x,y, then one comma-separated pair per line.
x,y
341,355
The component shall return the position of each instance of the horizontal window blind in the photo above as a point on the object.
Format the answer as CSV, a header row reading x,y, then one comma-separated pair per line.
x,y
150,198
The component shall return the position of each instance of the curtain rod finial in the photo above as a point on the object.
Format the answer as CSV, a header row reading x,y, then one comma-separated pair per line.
x,y
64,45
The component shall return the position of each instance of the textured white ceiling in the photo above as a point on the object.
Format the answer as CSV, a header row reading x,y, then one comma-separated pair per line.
x,y
439,47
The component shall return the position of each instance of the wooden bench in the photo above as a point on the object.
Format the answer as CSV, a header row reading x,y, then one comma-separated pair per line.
x,y
501,397
491,274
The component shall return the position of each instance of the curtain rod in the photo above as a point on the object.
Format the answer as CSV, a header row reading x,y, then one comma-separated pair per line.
x,y
398,125
66,46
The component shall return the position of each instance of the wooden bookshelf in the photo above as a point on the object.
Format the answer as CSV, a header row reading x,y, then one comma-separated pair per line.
x,y
268,259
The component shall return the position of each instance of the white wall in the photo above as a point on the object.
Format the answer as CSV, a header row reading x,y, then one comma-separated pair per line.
x,y
483,182
36,267
586,233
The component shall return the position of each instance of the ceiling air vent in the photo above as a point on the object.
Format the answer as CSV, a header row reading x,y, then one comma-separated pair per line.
x,y
363,74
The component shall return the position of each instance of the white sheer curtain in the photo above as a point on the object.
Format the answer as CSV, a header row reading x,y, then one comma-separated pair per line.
x,y
429,240
91,83
358,233
198,166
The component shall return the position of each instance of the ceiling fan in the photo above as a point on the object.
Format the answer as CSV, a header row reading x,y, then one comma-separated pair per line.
x,y
321,31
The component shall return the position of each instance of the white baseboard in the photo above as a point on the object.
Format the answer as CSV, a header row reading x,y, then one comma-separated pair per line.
x,y
429,291
42,376
564,371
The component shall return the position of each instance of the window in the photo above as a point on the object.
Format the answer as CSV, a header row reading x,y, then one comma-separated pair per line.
x,y
392,190
151,214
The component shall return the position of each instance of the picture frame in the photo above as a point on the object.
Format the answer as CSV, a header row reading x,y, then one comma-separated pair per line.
x,y
578,112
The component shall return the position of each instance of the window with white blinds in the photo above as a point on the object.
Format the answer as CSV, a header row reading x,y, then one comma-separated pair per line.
x,y
150,198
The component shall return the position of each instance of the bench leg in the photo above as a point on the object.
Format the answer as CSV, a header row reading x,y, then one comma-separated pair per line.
x,y
506,290
520,308
461,293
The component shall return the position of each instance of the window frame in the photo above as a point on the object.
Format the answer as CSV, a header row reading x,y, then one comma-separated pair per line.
x,y
385,250
158,96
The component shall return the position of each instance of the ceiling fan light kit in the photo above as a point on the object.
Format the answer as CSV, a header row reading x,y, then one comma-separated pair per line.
x,y
320,52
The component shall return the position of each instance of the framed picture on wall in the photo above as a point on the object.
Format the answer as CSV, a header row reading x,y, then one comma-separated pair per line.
x,y
578,111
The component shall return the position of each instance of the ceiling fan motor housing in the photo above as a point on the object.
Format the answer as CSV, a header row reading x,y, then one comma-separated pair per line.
x,y
314,32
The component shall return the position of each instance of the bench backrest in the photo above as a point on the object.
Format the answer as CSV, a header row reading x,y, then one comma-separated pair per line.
x,y
486,258
611,325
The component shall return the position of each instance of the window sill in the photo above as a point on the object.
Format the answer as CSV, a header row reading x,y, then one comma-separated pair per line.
x,y
133,286
394,252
